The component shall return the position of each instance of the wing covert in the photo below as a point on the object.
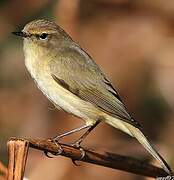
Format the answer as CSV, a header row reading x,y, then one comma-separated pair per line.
x,y
78,74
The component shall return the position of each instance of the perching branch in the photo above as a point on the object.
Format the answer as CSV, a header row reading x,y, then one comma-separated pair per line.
x,y
106,159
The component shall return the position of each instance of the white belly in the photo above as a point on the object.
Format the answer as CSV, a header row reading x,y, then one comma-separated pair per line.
x,y
60,96
65,99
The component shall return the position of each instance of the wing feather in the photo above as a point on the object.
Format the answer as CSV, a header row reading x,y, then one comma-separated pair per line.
x,y
78,73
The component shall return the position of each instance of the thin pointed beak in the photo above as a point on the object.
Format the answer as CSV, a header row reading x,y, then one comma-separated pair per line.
x,y
20,33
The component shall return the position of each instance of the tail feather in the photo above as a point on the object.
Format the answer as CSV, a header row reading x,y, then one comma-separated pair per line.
x,y
135,132
143,140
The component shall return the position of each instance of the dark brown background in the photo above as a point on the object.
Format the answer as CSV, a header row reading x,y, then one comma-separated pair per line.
x,y
132,41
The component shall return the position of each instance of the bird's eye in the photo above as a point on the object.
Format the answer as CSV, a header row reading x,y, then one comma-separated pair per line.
x,y
43,36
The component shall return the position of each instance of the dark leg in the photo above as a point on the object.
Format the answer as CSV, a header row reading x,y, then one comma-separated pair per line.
x,y
79,141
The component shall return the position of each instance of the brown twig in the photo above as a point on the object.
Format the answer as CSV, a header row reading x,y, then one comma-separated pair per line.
x,y
18,153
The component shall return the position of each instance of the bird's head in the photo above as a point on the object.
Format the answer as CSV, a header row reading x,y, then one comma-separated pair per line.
x,y
43,34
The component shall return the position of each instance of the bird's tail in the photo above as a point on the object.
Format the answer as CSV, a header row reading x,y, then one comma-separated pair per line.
x,y
135,132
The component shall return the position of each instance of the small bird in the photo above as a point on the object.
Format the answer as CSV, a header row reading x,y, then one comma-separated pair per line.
x,y
72,81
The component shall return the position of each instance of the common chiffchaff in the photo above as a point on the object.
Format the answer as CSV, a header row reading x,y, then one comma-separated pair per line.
x,y
72,81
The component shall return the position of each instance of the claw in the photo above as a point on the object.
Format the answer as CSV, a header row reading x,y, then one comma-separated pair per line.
x,y
77,145
59,147
60,150
82,153
82,156
47,154
74,162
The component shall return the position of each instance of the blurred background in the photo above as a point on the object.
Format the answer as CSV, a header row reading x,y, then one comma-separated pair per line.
x,y
132,41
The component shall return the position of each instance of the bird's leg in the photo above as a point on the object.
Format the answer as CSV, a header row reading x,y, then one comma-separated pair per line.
x,y
79,141
76,143
57,138
83,136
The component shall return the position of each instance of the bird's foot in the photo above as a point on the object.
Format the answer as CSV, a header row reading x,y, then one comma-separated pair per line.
x,y
82,155
59,147
76,144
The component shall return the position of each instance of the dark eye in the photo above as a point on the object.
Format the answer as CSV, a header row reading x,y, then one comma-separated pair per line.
x,y
43,36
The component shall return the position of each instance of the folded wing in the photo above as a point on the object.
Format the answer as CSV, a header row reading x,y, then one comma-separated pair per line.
x,y
77,72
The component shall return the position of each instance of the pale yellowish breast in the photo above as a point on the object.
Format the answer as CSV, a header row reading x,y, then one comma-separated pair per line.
x,y
39,70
